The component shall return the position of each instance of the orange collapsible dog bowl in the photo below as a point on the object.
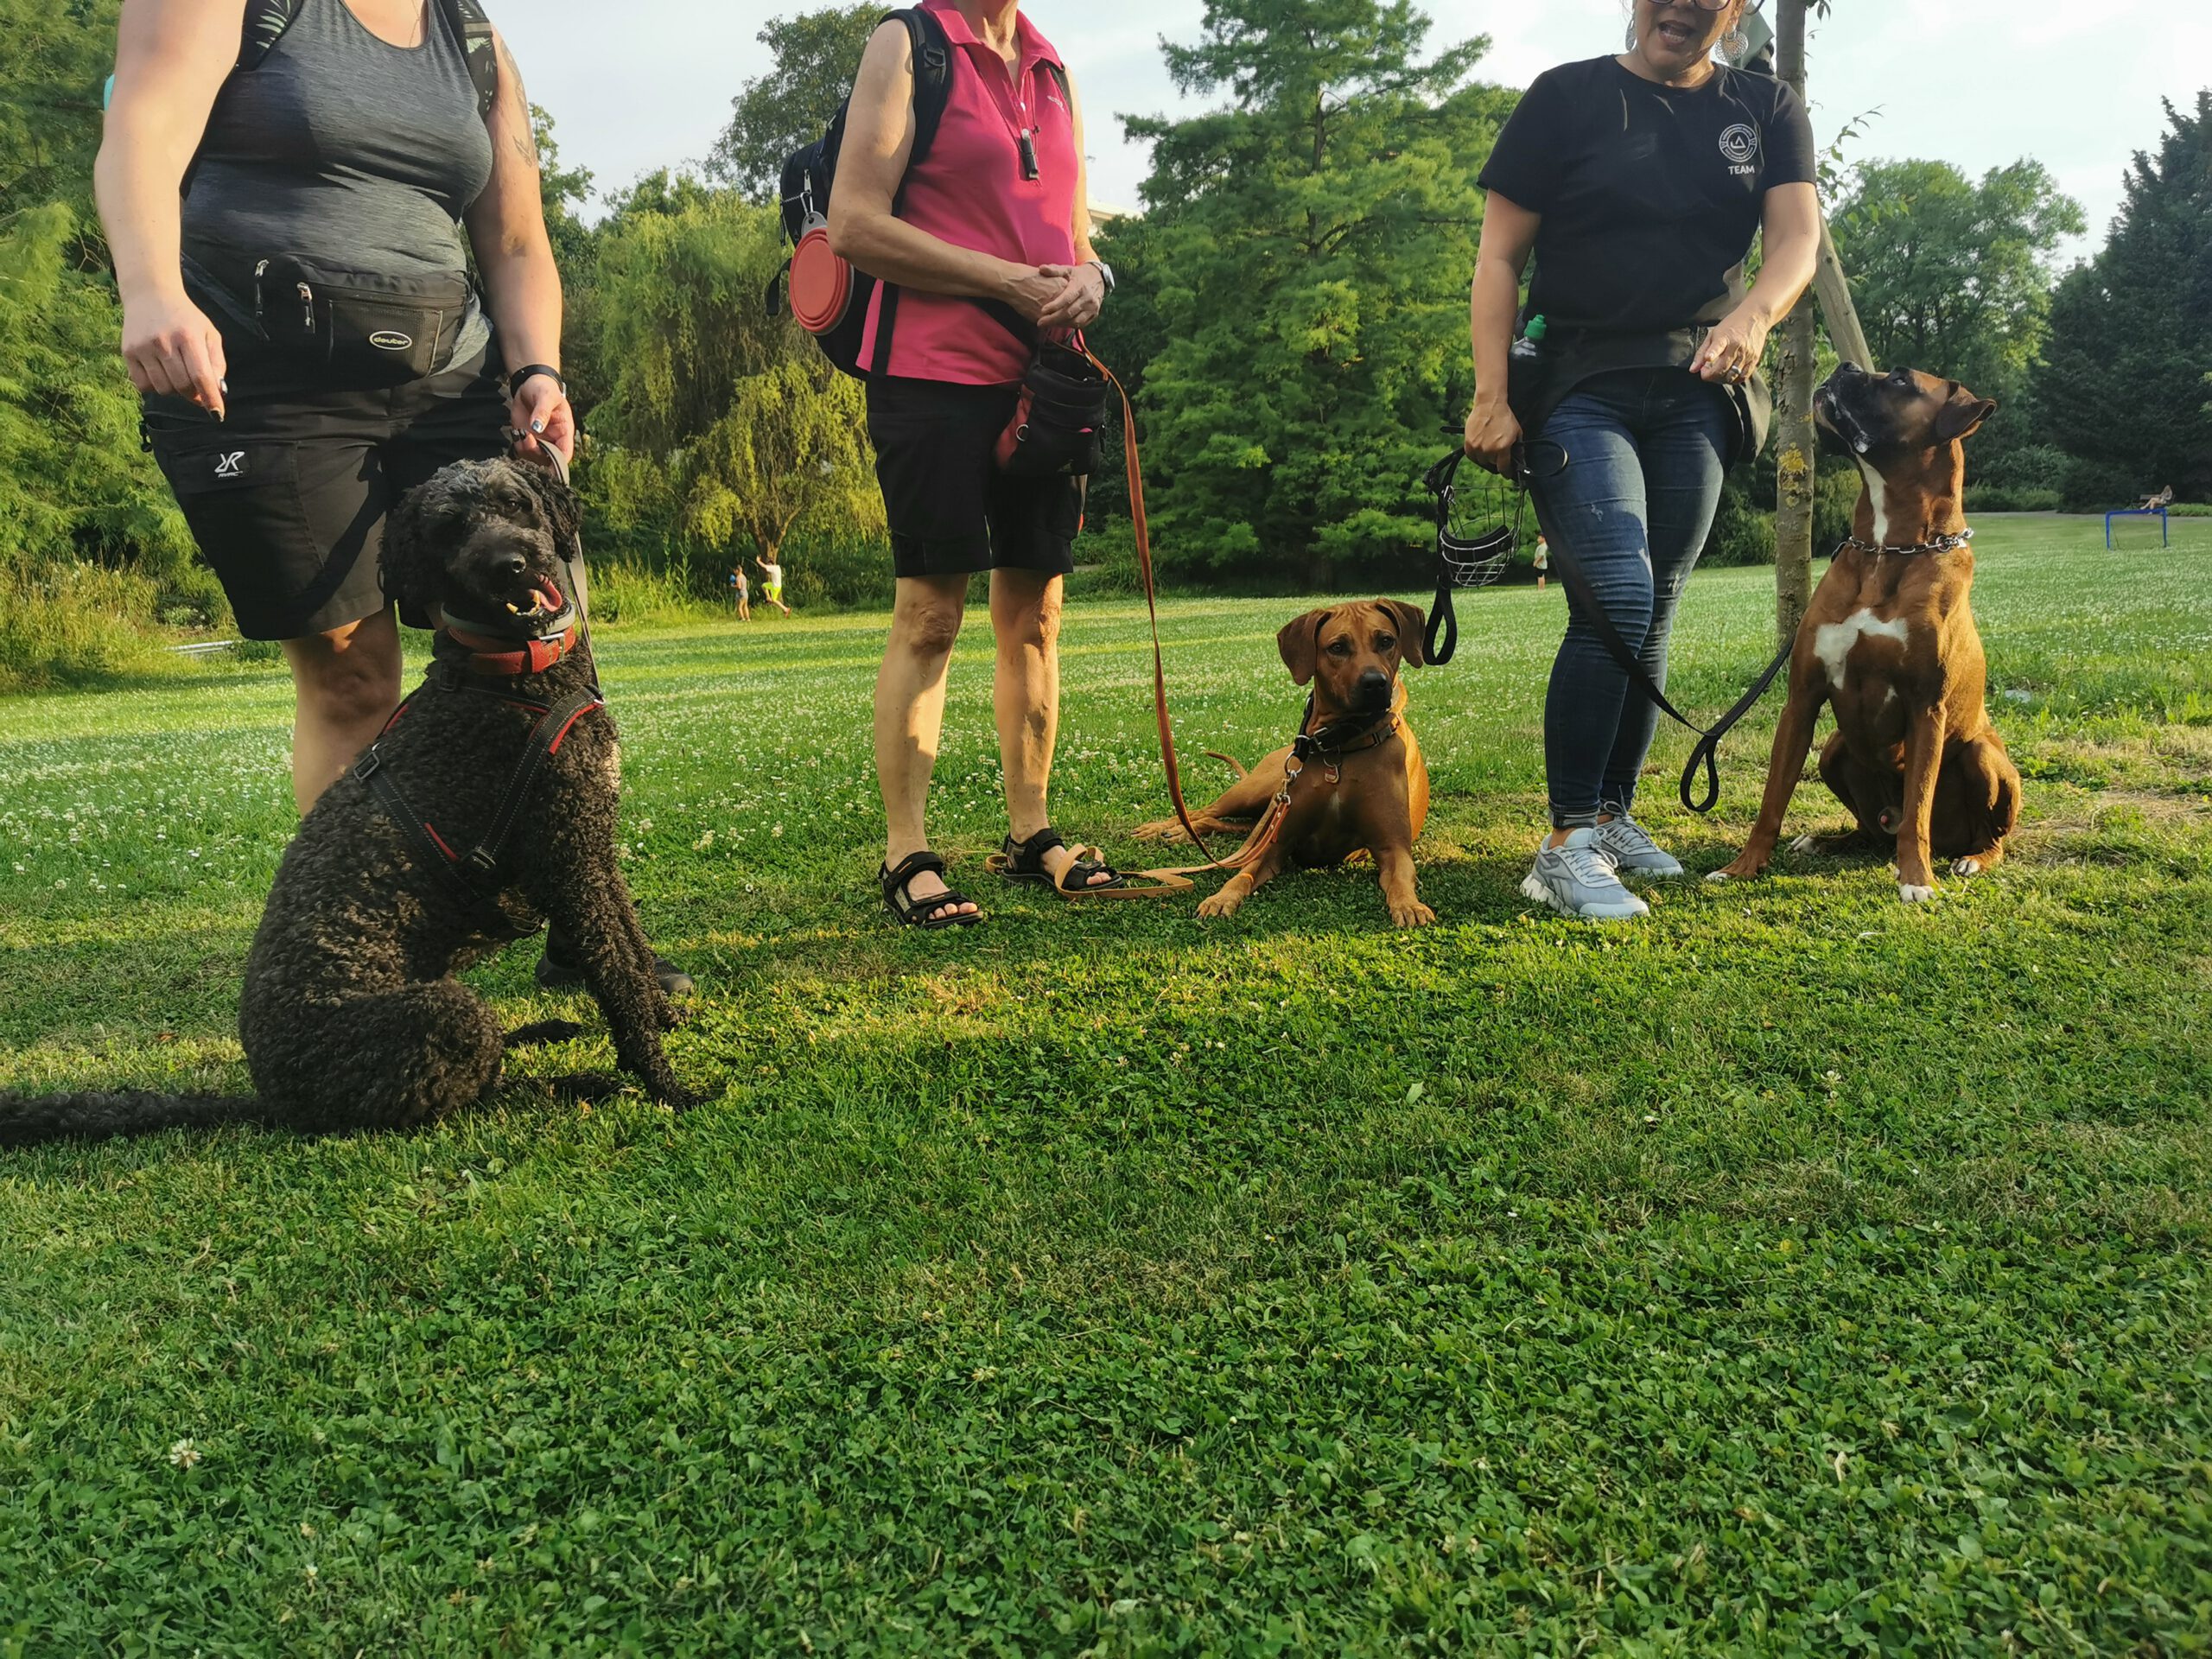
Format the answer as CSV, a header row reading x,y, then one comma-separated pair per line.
x,y
822,283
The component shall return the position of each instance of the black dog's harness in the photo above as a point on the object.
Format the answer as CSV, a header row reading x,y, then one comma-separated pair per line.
x,y
474,880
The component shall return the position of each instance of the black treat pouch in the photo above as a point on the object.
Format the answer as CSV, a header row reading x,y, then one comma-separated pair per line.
x,y
367,329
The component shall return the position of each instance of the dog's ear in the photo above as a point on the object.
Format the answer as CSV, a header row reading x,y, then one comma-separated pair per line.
x,y
1299,642
414,554
1961,418
1409,622
556,501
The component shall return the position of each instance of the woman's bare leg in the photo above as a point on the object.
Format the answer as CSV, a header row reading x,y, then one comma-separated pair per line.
x,y
1026,698
910,712
348,682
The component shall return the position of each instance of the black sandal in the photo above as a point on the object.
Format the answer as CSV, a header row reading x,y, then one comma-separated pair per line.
x,y
1024,861
921,913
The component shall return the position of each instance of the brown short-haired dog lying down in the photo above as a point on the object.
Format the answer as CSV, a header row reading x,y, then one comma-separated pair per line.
x,y
1359,782
350,1015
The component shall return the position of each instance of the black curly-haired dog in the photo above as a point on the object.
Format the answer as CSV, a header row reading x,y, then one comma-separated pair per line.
x,y
350,1015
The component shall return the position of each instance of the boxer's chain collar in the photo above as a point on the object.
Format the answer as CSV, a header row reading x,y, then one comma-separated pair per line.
x,y
1950,543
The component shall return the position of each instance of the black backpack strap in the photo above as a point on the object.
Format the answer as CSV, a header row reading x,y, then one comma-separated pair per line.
x,y
478,47
932,53
932,50
265,23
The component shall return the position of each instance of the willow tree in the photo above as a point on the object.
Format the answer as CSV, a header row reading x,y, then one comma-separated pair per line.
x,y
751,432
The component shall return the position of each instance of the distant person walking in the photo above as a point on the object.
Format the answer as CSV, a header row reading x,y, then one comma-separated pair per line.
x,y
741,590
1639,182
287,222
995,211
1543,563
772,585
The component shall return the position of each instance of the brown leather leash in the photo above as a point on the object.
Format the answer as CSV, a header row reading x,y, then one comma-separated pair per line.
x,y
1269,828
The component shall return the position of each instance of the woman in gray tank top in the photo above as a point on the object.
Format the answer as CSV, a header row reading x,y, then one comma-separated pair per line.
x,y
265,211
356,144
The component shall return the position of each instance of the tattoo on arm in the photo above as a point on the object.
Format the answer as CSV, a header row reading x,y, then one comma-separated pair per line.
x,y
525,140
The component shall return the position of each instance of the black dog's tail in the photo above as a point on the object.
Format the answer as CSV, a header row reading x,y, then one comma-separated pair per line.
x,y
30,1120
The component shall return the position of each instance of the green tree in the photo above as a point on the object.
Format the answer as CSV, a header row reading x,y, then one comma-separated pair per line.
x,y
750,431
75,486
1955,276
1310,245
816,54
2122,384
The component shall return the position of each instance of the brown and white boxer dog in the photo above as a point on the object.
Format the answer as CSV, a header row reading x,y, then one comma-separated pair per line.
x,y
1357,782
1890,643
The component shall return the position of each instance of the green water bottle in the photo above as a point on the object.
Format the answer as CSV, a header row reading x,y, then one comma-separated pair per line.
x,y
1532,339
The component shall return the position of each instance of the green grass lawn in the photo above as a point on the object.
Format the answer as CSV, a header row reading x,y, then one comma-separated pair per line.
x,y
1793,1273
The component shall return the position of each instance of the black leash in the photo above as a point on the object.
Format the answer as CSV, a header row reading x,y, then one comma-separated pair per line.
x,y
1705,754
1461,562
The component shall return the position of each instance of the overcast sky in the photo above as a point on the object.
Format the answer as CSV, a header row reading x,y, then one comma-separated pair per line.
x,y
1977,82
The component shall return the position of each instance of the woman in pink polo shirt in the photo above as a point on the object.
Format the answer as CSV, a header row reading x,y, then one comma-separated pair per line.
x,y
993,212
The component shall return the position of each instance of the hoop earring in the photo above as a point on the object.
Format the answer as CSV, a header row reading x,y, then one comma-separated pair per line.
x,y
1735,45
1631,35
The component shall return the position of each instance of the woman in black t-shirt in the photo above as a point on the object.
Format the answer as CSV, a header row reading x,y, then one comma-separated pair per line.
x,y
1638,182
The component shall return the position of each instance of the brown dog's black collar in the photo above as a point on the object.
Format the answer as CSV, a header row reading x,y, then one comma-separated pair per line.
x,y
1338,738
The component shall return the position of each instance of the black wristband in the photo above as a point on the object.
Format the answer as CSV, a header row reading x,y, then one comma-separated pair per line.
x,y
529,370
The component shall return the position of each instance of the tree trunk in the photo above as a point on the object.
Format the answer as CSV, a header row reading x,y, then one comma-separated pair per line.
x,y
1797,464
1845,332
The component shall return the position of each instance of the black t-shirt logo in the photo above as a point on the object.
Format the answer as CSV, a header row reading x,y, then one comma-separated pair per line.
x,y
1739,144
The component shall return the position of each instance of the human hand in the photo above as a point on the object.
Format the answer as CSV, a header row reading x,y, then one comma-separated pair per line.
x,y
1030,289
1492,433
1732,351
1079,303
172,349
540,414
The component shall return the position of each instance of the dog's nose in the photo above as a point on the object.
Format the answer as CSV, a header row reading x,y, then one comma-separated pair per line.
x,y
1374,682
509,565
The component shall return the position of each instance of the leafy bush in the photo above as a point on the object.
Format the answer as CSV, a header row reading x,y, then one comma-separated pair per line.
x,y
1997,498
2093,485
2028,466
72,624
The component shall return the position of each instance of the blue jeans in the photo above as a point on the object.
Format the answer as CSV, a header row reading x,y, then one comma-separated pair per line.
x,y
1645,450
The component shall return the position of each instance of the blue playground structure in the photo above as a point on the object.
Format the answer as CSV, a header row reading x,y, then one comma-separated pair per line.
x,y
2165,532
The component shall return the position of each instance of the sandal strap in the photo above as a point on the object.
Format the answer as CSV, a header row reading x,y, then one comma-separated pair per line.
x,y
1028,856
924,862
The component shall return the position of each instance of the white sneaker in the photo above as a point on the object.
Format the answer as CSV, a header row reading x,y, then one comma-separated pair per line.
x,y
1578,879
1632,851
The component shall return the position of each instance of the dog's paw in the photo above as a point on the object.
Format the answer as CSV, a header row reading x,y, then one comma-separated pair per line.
x,y
1913,894
1968,868
1220,906
671,1015
1164,829
677,1097
1746,869
1805,844
1413,915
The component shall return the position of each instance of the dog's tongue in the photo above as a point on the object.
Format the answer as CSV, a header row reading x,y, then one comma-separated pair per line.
x,y
549,596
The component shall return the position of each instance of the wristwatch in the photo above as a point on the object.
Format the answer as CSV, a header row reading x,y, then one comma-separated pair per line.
x,y
530,370
1105,270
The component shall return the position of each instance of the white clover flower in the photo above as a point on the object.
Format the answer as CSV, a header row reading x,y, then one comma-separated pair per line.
x,y
184,1454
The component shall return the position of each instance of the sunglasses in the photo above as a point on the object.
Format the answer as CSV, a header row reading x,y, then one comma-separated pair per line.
x,y
1702,5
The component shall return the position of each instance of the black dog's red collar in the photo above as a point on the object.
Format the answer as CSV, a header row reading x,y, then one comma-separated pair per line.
x,y
508,656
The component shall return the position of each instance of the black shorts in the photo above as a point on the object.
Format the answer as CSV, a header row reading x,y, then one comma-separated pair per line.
x,y
288,496
951,511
